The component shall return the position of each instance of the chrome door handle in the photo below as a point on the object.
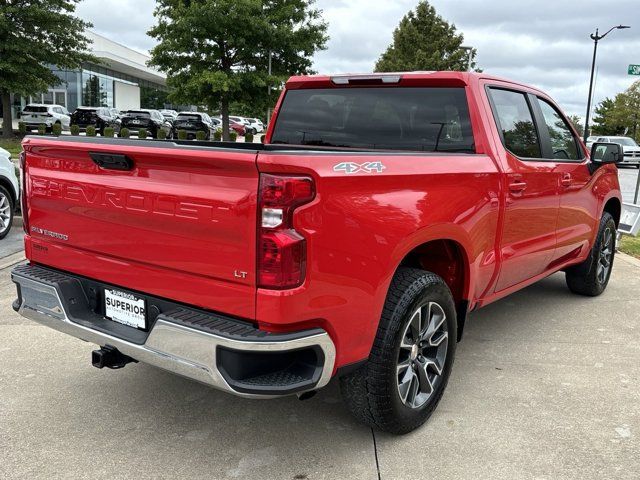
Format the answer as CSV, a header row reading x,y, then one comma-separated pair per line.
x,y
517,186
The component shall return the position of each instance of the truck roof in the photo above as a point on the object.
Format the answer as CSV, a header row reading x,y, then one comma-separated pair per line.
x,y
432,78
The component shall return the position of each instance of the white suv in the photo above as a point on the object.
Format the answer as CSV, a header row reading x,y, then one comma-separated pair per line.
x,y
36,114
9,192
257,124
630,149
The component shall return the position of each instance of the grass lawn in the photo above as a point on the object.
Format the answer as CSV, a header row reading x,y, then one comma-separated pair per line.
x,y
630,245
13,145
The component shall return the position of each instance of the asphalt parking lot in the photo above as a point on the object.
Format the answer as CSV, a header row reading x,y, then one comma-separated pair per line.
x,y
545,385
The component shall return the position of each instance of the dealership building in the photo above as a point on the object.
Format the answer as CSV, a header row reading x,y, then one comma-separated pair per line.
x,y
120,80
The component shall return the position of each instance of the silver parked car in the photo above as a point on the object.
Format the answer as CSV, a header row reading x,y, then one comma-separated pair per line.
x,y
630,148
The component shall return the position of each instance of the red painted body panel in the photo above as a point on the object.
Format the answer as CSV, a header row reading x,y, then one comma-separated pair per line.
x,y
361,226
178,225
196,219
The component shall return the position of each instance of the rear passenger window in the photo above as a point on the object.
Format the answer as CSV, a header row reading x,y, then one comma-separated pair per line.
x,y
563,143
515,120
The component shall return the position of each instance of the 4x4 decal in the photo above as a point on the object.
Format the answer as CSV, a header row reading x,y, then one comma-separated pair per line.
x,y
352,167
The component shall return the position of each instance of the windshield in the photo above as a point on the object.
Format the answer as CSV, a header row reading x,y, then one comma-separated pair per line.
x,y
391,118
626,141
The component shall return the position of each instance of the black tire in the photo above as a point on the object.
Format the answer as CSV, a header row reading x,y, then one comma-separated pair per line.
x,y
6,212
588,278
373,392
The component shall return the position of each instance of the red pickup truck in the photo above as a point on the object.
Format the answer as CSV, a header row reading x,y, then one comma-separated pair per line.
x,y
353,243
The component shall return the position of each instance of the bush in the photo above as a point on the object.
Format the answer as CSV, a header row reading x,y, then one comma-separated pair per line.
x,y
56,129
162,134
22,128
200,135
42,129
233,136
142,133
182,134
75,130
248,138
217,135
108,132
124,132
91,131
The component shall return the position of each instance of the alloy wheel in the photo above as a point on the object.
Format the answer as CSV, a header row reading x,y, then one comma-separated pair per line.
x,y
423,351
5,213
605,256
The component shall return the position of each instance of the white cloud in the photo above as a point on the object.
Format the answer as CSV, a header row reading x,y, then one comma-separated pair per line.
x,y
543,42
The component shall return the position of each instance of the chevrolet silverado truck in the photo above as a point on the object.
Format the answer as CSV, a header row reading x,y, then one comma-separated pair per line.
x,y
352,243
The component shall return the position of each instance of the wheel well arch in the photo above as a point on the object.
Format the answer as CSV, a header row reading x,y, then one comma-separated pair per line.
x,y
9,187
614,208
448,259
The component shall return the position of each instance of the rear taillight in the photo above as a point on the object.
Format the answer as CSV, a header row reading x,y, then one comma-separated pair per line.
x,y
23,194
282,254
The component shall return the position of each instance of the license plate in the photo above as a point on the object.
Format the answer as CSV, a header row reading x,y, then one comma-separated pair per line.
x,y
122,307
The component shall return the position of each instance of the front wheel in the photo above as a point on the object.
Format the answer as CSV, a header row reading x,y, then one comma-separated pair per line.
x,y
403,380
591,277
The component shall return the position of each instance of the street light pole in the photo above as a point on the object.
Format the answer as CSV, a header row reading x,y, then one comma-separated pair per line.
x,y
595,37
269,89
469,51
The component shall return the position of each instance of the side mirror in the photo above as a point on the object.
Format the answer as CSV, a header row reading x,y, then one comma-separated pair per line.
x,y
602,153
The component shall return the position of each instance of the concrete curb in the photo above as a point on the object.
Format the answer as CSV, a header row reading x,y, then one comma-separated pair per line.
x,y
17,221
629,259
11,260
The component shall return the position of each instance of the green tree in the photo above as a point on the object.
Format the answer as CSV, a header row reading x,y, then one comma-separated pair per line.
x,y
577,124
626,111
620,116
602,119
35,34
425,41
216,52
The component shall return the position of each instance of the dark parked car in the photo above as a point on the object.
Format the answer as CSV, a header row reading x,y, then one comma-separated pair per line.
x,y
99,117
151,120
193,122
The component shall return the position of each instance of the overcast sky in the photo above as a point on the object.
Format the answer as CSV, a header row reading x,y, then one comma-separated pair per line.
x,y
544,42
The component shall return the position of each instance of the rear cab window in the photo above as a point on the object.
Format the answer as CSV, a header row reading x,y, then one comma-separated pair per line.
x,y
425,119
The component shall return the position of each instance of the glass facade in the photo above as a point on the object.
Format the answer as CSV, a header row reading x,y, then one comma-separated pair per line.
x,y
94,86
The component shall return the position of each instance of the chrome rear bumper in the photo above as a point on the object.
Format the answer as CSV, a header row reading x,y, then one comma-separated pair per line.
x,y
43,296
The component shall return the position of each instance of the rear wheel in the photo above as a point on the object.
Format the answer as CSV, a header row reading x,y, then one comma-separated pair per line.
x,y
403,380
6,212
591,277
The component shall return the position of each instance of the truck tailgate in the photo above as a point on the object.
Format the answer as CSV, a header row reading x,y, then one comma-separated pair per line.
x,y
180,223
